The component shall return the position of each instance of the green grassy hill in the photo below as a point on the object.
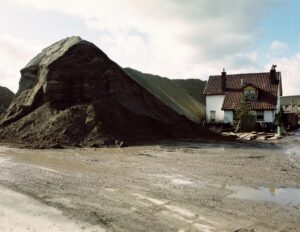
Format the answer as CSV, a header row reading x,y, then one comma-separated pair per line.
x,y
184,96
194,87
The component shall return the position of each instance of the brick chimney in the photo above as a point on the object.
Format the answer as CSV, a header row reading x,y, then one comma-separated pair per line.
x,y
223,80
273,77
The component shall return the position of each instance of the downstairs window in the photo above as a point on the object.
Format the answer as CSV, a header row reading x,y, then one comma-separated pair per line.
x,y
260,115
212,116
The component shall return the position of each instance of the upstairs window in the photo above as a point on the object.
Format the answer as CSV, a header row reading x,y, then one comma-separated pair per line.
x,y
250,94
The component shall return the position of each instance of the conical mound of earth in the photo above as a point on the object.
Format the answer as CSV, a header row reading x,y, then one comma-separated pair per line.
x,y
73,94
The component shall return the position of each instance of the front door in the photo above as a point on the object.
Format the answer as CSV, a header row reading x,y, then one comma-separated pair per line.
x,y
212,116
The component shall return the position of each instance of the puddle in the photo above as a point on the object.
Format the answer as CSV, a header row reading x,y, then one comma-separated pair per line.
x,y
193,145
181,182
293,150
204,228
4,149
153,200
48,169
293,153
176,179
285,196
4,160
110,189
180,211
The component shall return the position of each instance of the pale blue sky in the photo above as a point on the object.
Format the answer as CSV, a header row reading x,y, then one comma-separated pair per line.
x,y
178,39
282,24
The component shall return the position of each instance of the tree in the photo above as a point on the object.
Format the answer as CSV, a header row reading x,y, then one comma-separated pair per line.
x,y
243,109
279,117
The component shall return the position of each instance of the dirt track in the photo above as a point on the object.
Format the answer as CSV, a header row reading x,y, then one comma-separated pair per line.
x,y
170,187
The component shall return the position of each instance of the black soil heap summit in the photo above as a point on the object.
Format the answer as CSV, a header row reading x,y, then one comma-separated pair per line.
x,y
73,94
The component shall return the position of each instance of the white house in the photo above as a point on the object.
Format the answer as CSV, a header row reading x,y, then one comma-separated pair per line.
x,y
225,92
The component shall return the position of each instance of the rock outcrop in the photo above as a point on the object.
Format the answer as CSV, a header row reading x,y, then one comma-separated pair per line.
x,y
73,94
6,97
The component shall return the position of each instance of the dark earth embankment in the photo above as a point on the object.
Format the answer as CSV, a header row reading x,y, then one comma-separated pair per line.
x,y
6,96
72,94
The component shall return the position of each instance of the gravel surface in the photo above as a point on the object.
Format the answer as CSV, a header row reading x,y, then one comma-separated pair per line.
x,y
167,187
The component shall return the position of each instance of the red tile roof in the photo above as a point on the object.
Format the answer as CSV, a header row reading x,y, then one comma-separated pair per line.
x,y
267,90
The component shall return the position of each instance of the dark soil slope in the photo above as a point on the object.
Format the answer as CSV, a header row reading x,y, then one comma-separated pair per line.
x,y
6,97
73,94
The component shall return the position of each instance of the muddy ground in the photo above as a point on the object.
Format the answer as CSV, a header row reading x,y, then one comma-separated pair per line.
x,y
167,187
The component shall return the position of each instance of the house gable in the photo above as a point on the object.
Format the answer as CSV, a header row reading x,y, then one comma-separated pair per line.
x,y
266,87
249,87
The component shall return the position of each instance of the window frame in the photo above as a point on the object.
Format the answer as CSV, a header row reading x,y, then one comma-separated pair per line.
x,y
261,113
212,119
250,94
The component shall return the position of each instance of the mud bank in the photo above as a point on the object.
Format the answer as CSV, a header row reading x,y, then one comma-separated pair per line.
x,y
171,187
72,94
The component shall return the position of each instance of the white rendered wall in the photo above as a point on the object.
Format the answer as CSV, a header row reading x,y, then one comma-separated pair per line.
x,y
278,102
269,115
214,103
228,117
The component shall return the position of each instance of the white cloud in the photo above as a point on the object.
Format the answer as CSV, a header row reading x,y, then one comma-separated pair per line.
x,y
174,38
278,46
179,35
15,53
290,71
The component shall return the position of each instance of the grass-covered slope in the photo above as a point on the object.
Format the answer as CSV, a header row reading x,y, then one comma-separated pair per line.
x,y
183,96
194,87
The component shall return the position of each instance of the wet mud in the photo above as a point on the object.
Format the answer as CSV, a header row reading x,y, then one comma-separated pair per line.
x,y
167,187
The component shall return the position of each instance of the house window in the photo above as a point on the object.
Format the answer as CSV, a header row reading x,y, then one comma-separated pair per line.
x,y
212,116
250,94
260,115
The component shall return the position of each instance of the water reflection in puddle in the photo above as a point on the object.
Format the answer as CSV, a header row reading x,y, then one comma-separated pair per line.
x,y
293,154
4,149
285,196
3,160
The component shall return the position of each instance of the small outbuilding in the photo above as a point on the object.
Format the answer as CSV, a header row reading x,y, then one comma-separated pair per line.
x,y
291,109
